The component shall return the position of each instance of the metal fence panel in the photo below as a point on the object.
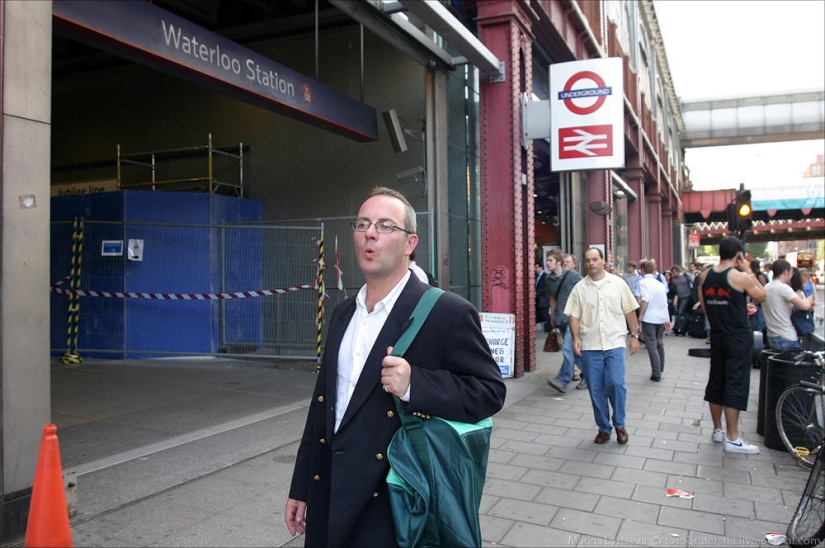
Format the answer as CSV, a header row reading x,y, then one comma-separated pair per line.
x,y
198,262
202,260
340,228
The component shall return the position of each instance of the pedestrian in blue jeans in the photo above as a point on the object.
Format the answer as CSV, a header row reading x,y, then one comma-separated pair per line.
x,y
598,308
560,283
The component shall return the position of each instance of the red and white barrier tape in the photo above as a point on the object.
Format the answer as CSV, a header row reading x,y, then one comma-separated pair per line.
x,y
178,296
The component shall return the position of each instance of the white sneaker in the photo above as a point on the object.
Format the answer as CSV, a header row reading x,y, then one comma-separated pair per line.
x,y
740,446
718,435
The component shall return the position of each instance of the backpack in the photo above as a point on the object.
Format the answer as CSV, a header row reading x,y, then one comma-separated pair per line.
x,y
696,324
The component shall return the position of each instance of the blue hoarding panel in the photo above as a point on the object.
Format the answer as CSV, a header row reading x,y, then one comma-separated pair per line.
x,y
183,254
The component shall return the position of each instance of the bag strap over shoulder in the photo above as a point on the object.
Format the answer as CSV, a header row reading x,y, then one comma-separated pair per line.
x,y
417,318
561,282
412,424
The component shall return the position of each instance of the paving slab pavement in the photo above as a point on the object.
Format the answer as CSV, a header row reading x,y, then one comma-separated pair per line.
x,y
210,482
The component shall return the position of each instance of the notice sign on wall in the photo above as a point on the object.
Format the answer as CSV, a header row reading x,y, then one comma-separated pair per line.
x,y
587,115
500,332
111,248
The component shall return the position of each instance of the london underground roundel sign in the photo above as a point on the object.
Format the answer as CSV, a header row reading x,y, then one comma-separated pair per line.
x,y
600,92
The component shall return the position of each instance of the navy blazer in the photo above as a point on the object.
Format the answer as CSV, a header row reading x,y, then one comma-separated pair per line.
x,y
342,476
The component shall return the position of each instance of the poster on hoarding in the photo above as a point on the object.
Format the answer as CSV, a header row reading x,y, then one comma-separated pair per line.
x,y
500,332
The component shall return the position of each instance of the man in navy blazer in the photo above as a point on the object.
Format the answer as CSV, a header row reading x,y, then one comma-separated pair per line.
x,y
338,495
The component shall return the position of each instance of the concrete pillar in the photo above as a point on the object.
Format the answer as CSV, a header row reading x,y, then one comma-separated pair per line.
x,y
25,73
507,216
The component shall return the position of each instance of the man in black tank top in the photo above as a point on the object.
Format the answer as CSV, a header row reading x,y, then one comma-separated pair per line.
x,y
723,292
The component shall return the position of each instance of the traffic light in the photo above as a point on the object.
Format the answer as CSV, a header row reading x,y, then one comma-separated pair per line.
x,y
733,218
744,212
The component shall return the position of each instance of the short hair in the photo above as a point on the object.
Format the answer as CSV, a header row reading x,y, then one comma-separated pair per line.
x,y
648,267
729,247
779,266
601,255
631,263
556,255
676,268
409,212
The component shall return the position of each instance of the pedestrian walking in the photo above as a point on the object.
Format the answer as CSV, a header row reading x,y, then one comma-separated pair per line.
x,y
572,264
560,283
598,307
542,298
723,292
632,278
339,495
655,318
682,299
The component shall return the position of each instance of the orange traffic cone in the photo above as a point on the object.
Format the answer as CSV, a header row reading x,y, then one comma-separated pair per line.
x,y
48,524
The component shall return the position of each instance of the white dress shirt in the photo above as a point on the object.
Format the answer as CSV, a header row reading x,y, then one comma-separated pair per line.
x,y
358,341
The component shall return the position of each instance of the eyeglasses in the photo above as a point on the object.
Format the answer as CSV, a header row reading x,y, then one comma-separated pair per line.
x,y
382,227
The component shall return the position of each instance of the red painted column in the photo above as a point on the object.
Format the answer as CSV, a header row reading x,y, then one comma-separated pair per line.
x,y
507,216
654,214
667,237
636,228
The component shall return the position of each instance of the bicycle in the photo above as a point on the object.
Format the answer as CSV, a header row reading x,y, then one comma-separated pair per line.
x,y
807,527
800,413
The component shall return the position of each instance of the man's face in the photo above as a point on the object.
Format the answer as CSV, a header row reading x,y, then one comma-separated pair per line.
x,y
593,263
631,269
568,263
552,263
383,255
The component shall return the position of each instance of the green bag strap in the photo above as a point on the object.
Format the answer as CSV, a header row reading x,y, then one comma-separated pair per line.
x,y
417,318
412,424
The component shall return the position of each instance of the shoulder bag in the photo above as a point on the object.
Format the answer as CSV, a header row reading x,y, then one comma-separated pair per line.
x,y
554,339
437,467
803,321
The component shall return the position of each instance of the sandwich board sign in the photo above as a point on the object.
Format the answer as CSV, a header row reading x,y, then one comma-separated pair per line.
x,y
500,332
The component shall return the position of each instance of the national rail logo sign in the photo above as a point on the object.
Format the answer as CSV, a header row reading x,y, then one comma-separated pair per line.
x,y
587,115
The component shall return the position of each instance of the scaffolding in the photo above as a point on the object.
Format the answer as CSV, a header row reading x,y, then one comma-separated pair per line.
x,y
164,166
